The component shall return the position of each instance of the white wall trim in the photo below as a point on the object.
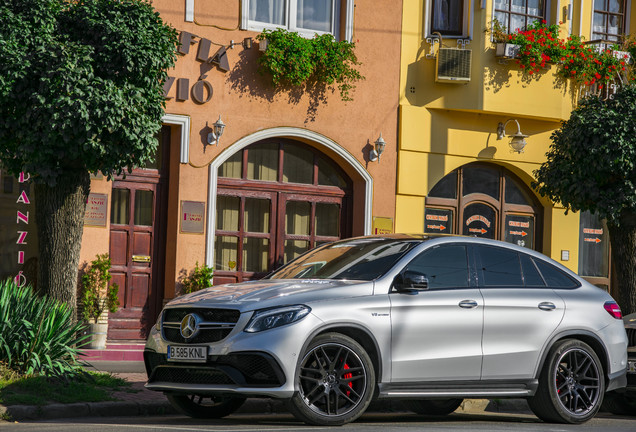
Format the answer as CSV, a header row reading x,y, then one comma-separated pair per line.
x,y
189,10
280,132
184,122
349,21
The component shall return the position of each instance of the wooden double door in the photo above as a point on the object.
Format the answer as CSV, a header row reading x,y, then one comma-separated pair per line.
x,y
137,246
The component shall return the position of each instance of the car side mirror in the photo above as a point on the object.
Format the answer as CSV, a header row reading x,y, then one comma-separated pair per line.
x,y
413,281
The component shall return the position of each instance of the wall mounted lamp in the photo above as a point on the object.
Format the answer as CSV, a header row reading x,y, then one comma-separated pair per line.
x,y
375,153
217,131
517,141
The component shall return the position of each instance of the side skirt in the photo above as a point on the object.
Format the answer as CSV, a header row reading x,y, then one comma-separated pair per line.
x,y
450,389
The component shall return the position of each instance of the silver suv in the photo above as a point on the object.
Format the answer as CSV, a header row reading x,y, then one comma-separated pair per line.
x,y
429,320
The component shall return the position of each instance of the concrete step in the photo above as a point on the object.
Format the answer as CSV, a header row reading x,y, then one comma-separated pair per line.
x,y
115,352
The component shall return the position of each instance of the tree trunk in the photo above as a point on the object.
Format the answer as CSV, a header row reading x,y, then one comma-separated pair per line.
x,y
60,218
623,238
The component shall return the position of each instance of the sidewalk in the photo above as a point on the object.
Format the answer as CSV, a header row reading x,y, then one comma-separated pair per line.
x,y
142,401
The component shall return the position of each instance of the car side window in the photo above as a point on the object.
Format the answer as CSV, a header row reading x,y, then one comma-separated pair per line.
x,y
499,267
445,266
554,277
531,275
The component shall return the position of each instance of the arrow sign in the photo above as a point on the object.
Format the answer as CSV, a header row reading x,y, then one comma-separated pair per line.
x,y
592,240
477,230
437,227
521,233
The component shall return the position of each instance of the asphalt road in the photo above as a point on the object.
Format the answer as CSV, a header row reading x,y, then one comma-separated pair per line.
x,y
372,422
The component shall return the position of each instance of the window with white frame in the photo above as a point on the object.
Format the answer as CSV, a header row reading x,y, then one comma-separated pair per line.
x,y
307,17
518,14
608,21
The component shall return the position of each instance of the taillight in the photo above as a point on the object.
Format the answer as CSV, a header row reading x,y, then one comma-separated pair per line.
x,y
613,309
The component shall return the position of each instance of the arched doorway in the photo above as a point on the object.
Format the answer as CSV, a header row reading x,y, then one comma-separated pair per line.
x,y
484,200
275,199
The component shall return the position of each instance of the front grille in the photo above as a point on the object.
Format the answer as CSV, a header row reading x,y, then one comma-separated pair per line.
x,y
204,336
211,315
251,369
631,337
216,324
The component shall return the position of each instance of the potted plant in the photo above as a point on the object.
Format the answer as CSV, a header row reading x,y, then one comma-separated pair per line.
x,y
198,279
96,297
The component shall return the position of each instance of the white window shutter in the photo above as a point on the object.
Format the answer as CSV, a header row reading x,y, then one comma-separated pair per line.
x,y
349,21
245,14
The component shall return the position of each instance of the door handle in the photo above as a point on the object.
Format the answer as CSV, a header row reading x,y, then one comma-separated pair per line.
x,y
468,304
547,306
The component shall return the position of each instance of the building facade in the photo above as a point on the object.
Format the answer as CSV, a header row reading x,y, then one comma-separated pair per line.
x,y
291,170
454,174
294,168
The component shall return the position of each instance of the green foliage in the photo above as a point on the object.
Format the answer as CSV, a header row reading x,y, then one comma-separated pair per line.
x,y
294,60
37,334
539,44
198,279
591,164
38,390
81,85
97,296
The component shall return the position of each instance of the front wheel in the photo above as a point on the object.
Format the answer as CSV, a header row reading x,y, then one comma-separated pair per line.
x,y
571,384
205,407
335,381
433,407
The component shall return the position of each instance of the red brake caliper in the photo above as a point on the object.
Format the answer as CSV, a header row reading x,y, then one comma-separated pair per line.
x,y
348,376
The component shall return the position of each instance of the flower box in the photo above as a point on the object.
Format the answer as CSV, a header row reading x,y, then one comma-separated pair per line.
x,y
507,50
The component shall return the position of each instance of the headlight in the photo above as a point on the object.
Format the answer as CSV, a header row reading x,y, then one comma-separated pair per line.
x,y
271,318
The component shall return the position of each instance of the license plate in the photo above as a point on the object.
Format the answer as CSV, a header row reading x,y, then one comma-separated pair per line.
x,y
631,367
197,354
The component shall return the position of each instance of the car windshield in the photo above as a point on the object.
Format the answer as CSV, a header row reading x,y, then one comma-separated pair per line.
x,y
357,259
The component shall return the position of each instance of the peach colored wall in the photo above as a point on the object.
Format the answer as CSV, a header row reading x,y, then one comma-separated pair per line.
x,y
95,240
248,103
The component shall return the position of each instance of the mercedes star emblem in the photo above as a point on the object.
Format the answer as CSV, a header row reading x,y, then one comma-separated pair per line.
x,y
190,326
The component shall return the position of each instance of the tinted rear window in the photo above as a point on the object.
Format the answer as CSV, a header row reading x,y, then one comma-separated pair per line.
x,y
499,267
554,277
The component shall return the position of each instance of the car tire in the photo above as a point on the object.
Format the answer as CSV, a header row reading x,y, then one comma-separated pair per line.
x,y
439,407
205,407
335,381
619,404
571,384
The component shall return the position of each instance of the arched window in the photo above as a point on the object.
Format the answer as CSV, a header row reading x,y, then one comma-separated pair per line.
x,y
275,200
484,201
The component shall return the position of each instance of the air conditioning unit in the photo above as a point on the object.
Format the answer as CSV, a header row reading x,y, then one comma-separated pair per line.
x,y
453,65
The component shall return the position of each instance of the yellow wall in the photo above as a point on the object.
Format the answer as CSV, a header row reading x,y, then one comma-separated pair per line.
x,y
444,126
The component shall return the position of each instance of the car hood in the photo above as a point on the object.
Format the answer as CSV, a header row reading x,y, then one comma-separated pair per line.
x,y
263,294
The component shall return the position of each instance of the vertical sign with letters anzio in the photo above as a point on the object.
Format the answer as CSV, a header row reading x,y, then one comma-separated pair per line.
x,y
22,220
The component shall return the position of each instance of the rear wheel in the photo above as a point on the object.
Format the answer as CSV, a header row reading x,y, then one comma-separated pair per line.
x,y
205,406
335,381
571,384
433,407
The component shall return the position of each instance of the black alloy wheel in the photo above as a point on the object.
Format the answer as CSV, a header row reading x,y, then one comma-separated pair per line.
x,y
571,385
335,381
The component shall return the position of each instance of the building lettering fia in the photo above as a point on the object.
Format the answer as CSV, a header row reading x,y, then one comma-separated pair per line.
x,y
22,221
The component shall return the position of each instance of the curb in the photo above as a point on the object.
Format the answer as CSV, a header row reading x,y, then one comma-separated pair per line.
x,y
252,406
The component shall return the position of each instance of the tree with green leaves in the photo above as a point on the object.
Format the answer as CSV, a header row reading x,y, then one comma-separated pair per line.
x,y
81,91
591,165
